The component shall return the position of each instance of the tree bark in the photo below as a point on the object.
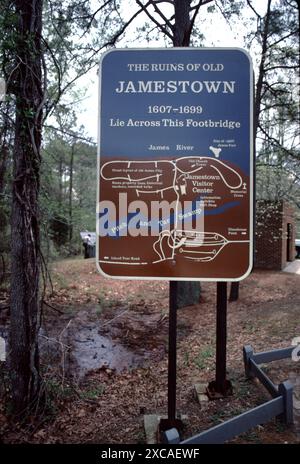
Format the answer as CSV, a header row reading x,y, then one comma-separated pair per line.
x,y
25,233
234,291
188,293
182,32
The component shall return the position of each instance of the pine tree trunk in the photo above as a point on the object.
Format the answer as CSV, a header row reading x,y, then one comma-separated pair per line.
x,y
25,243
188,293
234,291
182,23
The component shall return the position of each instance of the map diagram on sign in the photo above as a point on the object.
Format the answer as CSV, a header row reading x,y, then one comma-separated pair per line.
x,y
176,181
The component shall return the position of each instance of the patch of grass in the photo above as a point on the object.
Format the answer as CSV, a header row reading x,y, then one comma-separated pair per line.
x,y
69,310
242,390
281,427
141,438
61,281
56,389
55,393
99,310
105,302
222,416
249,327
101,298
203,356
186,359
92,393
236,411
218,417
109,304
251,436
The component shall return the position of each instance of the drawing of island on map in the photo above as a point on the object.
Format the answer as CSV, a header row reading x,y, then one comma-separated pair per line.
x,y
191,217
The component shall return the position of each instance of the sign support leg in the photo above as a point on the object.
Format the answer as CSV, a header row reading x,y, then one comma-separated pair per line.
x,y
172,420
221,336
172,354
220,387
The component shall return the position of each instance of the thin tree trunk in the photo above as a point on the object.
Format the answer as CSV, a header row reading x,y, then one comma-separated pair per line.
x,y
25,243
71,195
60,186
3,164
4,150
261,72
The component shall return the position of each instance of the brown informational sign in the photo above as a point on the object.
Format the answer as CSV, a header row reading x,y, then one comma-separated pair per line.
x,y
175,164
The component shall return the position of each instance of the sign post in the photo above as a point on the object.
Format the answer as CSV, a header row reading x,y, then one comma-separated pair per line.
x,y
220,387
172,365
172,420
175,173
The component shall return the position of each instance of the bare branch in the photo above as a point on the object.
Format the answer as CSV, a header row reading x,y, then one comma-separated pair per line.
x,y
276,142
196,8
94,15
284,38
160,13
271,68
70,134
253,9
160,26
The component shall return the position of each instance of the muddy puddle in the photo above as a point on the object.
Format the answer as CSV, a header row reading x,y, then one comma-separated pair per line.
x,y
83,349
129,341
91,350
77,345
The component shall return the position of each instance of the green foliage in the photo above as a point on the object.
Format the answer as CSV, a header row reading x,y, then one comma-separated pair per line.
x,y
64,219
59,230
55,393
92,393
73,35
201,359
277,139
55,389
